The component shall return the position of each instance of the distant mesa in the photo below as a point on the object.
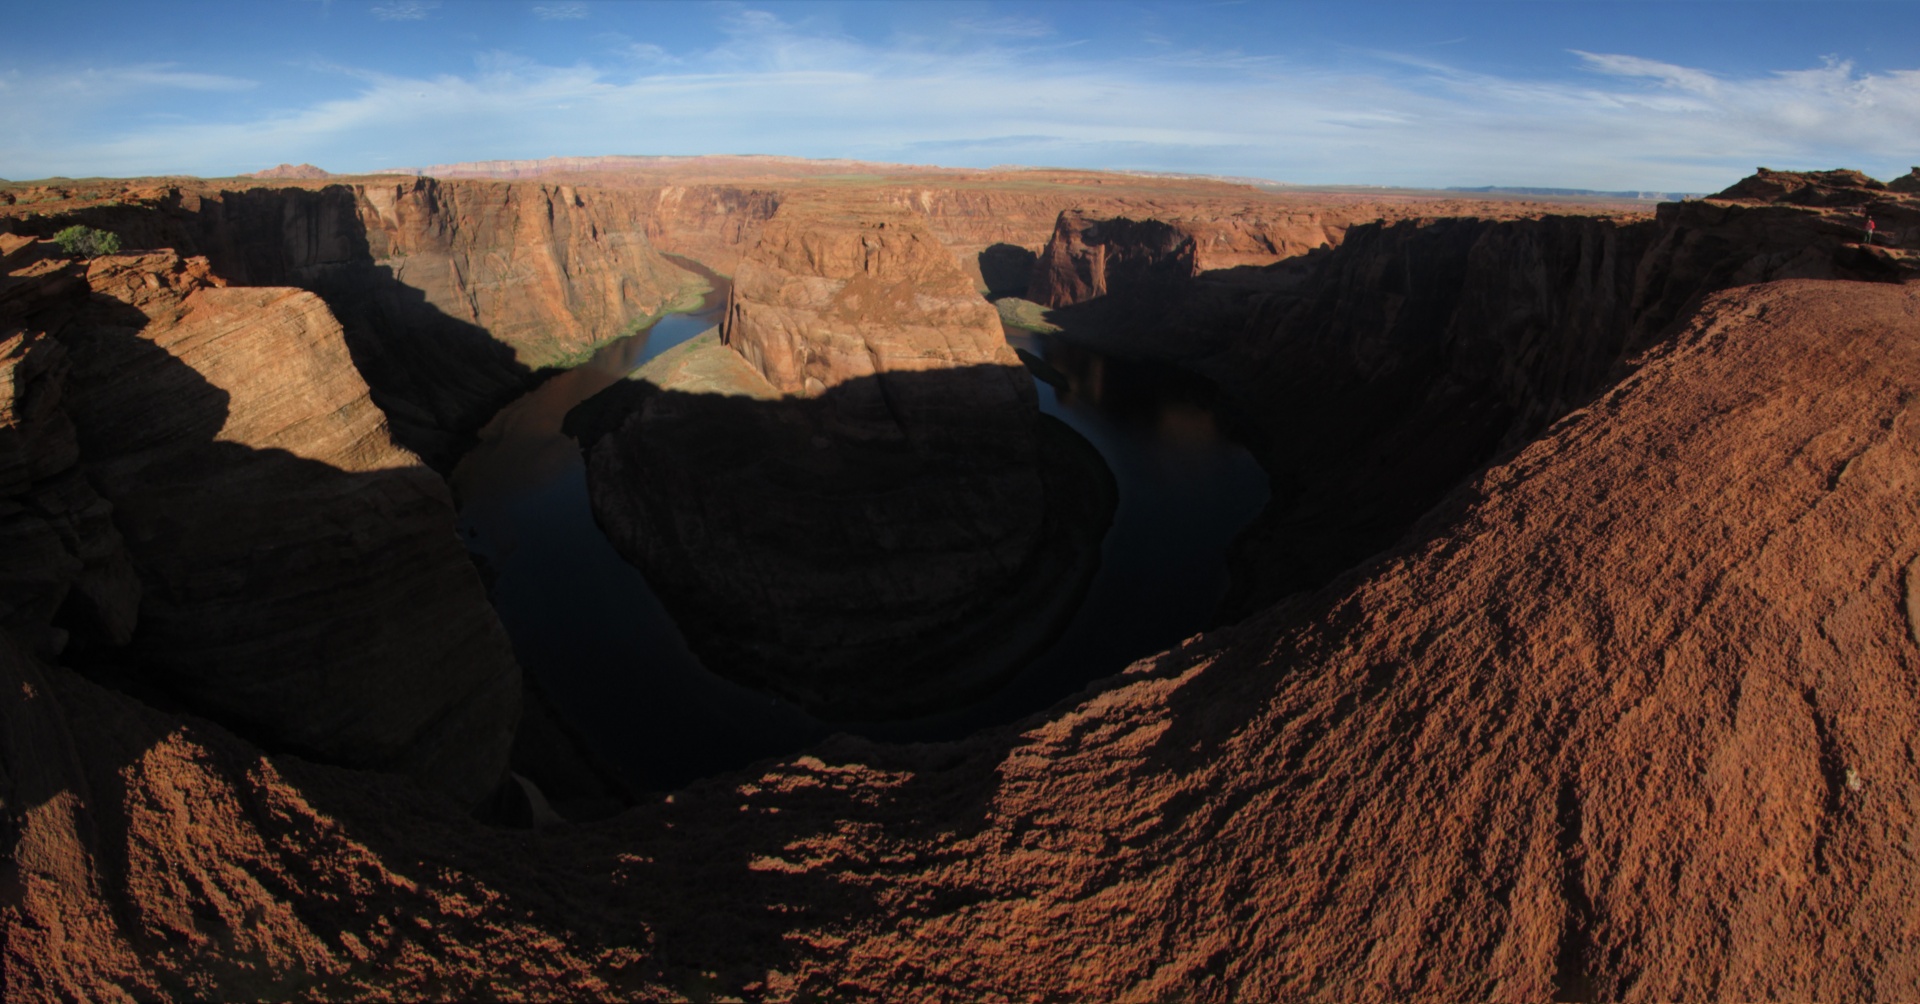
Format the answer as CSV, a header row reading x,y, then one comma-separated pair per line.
x,y
1582,193
303,171
714,166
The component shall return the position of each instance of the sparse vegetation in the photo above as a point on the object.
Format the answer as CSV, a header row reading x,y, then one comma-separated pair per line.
x,y
86,242
1025,315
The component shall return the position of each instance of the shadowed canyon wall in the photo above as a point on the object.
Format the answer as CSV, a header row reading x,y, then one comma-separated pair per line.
x,y
1382,372
879,521
1620,718
215,515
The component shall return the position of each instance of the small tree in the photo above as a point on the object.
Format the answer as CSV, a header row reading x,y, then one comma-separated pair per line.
x,y
87,242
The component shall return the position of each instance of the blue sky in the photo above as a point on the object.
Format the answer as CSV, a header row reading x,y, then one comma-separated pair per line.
x,y
1614,95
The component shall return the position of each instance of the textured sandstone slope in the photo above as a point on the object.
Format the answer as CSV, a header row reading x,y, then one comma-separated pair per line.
x,y
1624,717
298,575
152,856
888,524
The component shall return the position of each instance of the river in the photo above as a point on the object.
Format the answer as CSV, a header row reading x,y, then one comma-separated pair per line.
x,y
598,644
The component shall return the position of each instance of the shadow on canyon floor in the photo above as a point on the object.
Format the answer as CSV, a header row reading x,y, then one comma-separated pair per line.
x,y
891,549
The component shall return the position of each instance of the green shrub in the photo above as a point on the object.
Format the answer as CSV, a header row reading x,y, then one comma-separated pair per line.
x,y
87,242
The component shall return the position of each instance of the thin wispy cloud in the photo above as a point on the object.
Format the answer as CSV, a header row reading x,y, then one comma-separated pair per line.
x,y
405,10
1228,60
1008,27
1666,73
1612,120
91,86
560,11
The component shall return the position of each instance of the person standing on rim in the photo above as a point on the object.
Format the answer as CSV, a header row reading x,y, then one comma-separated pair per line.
x,y
1870,227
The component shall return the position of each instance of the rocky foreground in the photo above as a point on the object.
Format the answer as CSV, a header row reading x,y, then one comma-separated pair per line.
x,y
1616,711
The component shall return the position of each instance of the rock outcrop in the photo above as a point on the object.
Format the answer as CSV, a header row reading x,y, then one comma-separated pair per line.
x,y
890,525
1144,257
1620,712
305,172
59,549
297,574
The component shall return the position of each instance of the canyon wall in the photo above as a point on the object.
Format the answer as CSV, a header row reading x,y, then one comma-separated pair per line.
x,y
715,225
1144,258
209,509
453,294
977,218
1378,374
59,549
884,523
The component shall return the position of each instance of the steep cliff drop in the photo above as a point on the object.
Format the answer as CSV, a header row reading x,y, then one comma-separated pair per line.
x,y
258,550
852,499
1381,372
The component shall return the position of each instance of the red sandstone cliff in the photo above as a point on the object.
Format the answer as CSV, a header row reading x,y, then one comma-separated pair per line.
x,y
297,573
1380,373
1140,256
452,293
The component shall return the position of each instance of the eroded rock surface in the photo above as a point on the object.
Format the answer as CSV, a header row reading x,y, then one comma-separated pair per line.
x,y
1621,715
60,552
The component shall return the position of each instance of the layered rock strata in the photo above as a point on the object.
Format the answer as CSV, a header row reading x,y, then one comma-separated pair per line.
x,y
298,577
883,523
452,294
